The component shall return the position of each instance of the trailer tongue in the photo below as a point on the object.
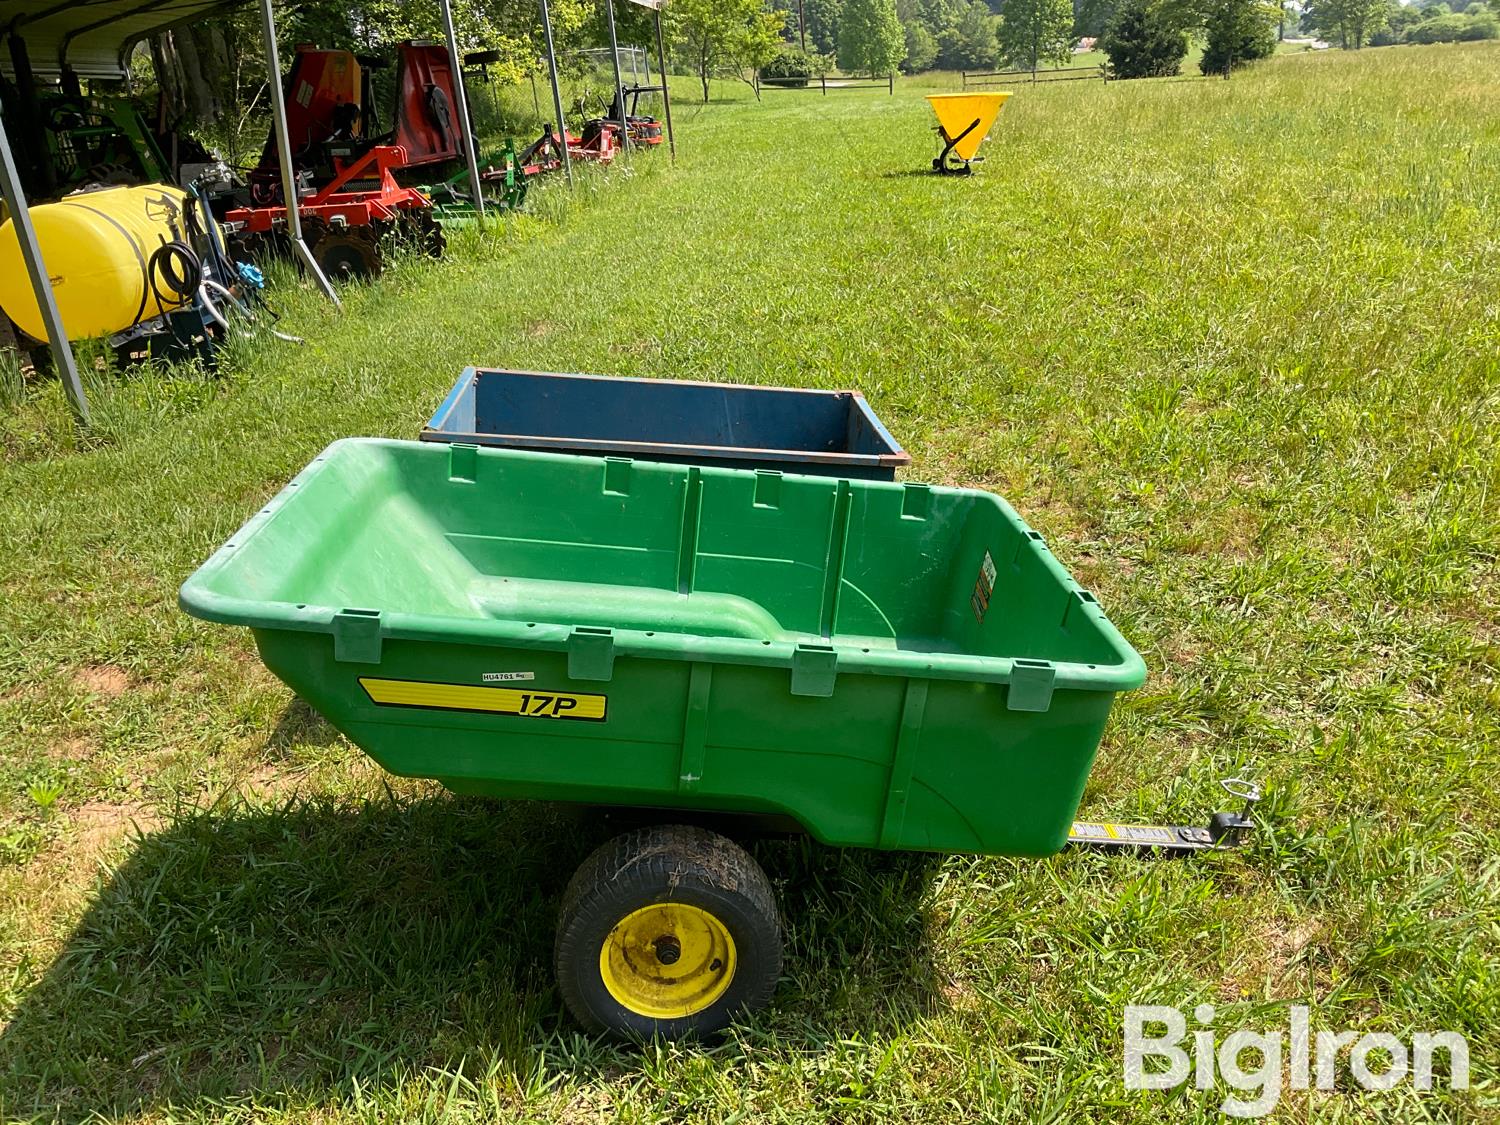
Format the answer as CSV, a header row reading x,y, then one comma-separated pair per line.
x,y
1224,829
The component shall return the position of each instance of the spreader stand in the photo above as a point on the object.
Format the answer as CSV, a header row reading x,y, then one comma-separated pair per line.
x,y
1224,830
960,167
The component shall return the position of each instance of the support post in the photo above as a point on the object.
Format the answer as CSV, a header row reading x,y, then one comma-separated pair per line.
x,y
666,96
557,102
32,134
614,54
284,155
462,96
31,252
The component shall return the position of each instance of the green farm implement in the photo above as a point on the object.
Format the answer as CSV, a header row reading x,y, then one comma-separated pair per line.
x,y
503,181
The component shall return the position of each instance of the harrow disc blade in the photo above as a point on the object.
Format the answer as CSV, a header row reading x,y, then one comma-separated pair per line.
x,y
347,254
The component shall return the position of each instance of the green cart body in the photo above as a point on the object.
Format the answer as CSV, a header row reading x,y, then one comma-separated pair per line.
x,y
889,665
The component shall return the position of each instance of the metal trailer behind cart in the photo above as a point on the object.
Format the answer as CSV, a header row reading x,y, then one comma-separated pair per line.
x,y
832,433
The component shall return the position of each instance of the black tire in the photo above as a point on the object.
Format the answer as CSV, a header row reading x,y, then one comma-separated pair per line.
x,y
676,865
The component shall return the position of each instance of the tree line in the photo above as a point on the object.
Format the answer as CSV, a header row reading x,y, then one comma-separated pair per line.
x,y
1142,37
1353,24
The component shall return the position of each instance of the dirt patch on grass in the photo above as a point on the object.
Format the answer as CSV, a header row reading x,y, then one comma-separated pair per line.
x,y
56,885
70,750
957,993
1285,942
98,824
1269,955
102,679
16,694
267,782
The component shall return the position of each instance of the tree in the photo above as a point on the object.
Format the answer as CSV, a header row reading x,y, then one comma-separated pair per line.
x,y
962,30
1236,32
970,43
194,67
1398,18
1092,18
938,15
1482,26
870,37
1349,22
1453,28
1142,43
822,25
1036,31
725,35
921,49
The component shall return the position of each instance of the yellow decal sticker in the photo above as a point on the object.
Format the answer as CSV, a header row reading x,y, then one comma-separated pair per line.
x,y
499,701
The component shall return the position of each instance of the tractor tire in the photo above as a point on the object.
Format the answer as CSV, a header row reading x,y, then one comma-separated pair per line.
x,y
669,931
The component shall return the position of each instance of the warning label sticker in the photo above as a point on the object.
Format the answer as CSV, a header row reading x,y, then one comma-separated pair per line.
x,y
984,588
1084,830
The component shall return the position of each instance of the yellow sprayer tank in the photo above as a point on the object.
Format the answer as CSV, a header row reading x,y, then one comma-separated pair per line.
x,y
97,247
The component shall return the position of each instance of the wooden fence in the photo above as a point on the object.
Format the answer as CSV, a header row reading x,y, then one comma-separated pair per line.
x,y
823,82
980,79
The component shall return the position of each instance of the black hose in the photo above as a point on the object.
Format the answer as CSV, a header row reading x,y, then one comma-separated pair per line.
x,y
175,265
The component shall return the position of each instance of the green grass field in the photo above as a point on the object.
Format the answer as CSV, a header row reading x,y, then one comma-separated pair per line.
x,y
1234,347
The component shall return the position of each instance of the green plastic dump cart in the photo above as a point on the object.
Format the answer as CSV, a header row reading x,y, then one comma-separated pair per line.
x,y
887,665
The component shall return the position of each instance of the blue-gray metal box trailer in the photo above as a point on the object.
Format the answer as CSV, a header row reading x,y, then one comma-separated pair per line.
x,y
826,433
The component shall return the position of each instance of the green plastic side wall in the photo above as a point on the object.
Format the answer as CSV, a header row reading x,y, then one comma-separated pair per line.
x,y
384,525
884,762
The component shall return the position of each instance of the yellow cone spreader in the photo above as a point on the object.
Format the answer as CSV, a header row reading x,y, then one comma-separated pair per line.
x,y
964,121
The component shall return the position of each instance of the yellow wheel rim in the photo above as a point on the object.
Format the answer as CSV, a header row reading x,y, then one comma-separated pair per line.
x,y
667,960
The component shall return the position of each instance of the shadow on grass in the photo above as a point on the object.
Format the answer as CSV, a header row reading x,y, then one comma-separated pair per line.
x,y
300,724
294,953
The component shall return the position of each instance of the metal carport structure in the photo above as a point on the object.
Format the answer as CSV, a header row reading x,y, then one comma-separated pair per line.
x,y
74,39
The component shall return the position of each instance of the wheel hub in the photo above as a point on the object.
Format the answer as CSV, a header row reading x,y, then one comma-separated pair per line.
x,y
668,949
667,960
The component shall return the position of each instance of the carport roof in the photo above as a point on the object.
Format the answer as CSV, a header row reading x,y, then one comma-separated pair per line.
x,y
93,37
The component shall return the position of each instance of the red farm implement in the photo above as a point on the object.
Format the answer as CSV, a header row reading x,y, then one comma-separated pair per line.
x,y
349,167
644,128
599,143
347,221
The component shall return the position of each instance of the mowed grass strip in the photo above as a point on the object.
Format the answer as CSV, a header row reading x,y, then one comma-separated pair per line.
x,y
1234,347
